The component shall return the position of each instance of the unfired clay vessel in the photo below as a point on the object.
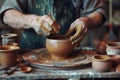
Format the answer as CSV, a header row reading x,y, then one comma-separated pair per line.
x,y
8,55
113,48
59,47
101,63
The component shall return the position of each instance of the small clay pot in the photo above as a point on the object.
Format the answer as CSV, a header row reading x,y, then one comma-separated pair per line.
x,y
113,48
101,63
59,47
8,55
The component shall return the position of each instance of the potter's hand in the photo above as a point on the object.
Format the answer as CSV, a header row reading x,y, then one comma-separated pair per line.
x,y
81,30
45,25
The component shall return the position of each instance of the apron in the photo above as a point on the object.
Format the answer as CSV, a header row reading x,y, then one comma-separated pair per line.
x,y
63,14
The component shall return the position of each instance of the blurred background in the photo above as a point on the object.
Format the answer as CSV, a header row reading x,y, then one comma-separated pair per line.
x,y
104,33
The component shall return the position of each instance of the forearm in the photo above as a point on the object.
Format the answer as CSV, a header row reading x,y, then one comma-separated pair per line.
x,y
18,20
94,20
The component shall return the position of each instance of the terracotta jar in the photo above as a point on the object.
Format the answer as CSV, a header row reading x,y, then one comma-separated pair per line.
x,y
101,63
59,47
8,55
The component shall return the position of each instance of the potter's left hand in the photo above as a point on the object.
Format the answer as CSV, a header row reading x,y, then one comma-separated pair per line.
x,y
81,30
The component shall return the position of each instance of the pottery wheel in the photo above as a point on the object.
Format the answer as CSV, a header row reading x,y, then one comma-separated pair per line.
x,y
41,57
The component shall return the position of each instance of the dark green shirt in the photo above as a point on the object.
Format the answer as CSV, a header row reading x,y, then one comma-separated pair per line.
x,y
64,11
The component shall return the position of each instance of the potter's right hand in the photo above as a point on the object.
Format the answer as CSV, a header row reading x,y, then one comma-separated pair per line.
x,y
45,25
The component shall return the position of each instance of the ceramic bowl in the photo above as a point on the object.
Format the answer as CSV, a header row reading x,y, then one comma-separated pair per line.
x,y
8,55
59,47
113,48
101,63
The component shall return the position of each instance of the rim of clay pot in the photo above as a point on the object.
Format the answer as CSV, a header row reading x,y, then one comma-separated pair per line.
x,y
58,38
115,45
101,58
8,48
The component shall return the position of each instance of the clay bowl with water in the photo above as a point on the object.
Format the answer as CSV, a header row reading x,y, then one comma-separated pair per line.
x,y
59,47
8,55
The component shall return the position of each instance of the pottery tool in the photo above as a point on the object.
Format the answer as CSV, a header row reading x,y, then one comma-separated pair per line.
x,y
54,25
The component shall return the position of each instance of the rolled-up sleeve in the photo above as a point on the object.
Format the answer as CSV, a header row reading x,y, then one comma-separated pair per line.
x,y
90,6
19,5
